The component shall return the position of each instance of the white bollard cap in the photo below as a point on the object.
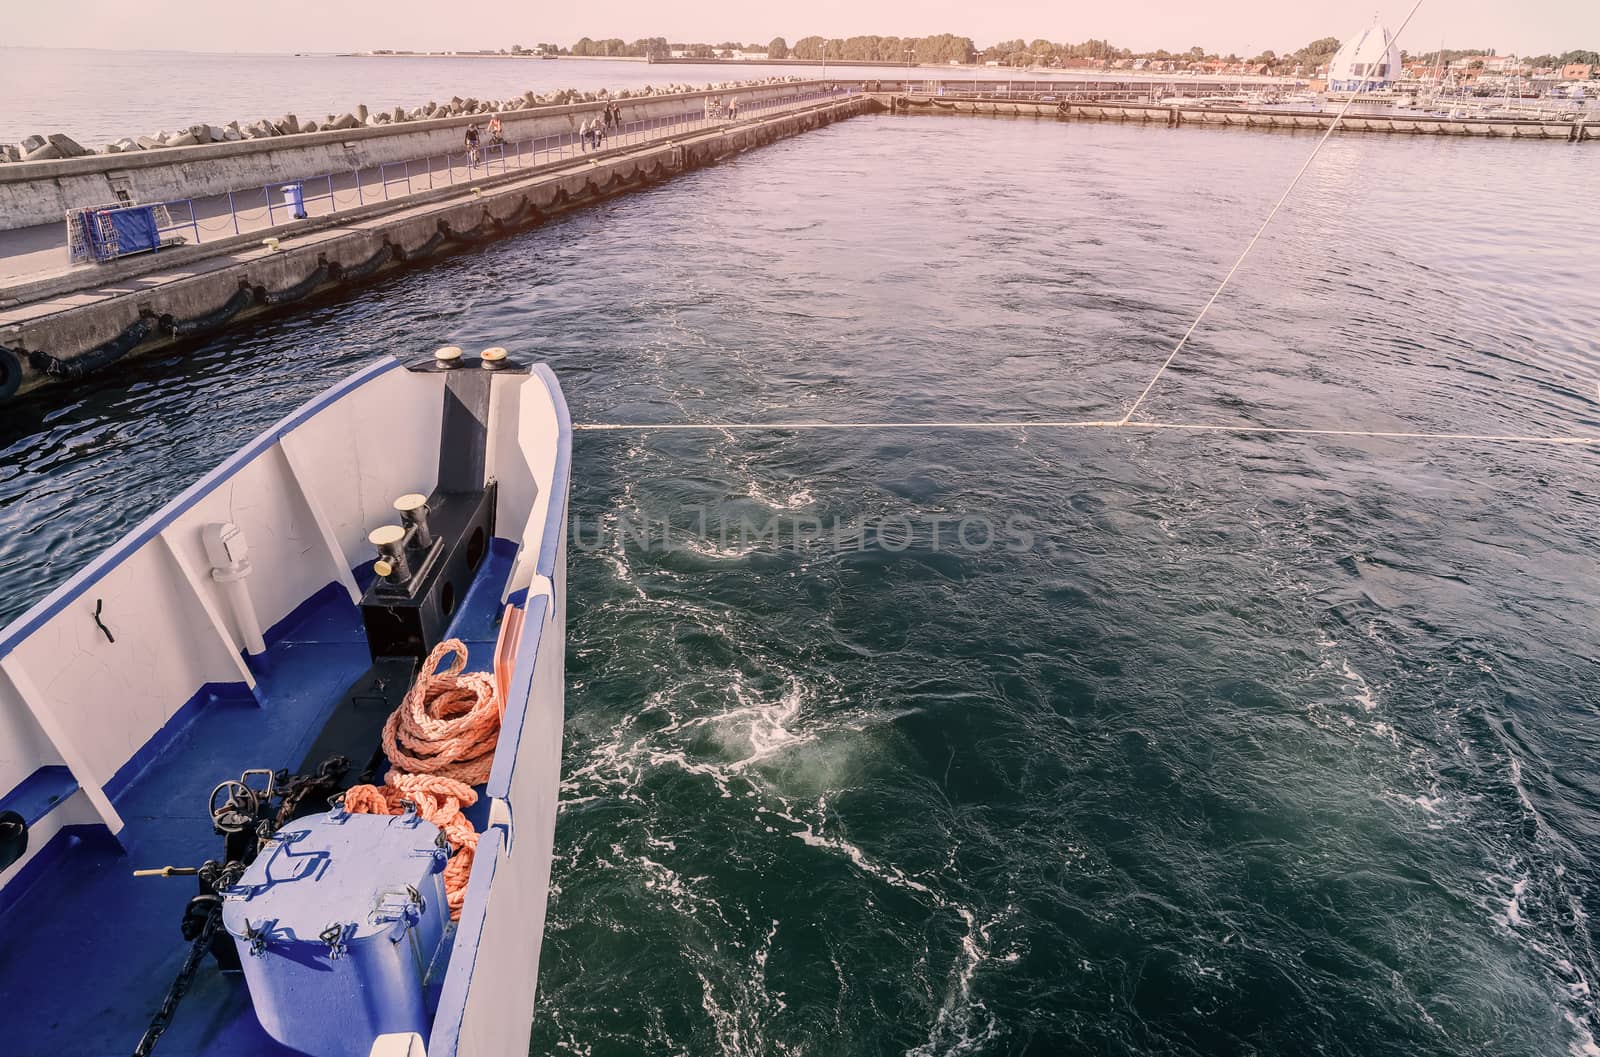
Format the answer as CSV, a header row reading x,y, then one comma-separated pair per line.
x,y
410,501
449,355
386,535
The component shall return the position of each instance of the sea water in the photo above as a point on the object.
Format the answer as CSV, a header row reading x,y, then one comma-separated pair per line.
x,y
1036,740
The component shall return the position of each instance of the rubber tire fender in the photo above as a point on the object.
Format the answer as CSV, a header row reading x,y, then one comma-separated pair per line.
x,y
10,374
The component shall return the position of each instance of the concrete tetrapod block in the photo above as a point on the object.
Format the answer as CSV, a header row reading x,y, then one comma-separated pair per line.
x,y
309,126
288,124
149,143
44,153
344,121
361,111
68,146
188,139
32,143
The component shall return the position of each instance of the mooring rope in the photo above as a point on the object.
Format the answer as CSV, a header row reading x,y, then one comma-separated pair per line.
x,y
1287,191
1111,424
439,743
1126,421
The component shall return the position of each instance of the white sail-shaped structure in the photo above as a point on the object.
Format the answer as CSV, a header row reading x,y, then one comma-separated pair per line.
x,y
1368,62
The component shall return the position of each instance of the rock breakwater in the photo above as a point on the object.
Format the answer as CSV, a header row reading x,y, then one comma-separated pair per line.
x,y
59,145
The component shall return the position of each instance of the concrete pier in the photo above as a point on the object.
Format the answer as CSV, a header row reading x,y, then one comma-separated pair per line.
x,y
1177,115
41,192
59,323
150,303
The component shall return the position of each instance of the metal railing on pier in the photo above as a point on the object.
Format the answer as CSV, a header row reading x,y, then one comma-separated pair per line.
x,y
252,209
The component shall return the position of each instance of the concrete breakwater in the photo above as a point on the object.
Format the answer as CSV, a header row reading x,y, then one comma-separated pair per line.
x,y
83,332
59,145
40,192
1174,116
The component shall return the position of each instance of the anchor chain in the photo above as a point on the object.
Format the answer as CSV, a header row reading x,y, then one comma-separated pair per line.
x,y
245,817
207,931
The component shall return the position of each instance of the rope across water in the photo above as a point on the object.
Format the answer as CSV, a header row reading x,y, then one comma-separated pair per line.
x,y
1109,424
1372,69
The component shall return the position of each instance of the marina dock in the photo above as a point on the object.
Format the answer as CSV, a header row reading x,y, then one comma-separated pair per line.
x,y
1173,115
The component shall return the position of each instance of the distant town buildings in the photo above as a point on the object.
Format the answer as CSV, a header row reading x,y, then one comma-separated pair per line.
x,y
697,51
1370,61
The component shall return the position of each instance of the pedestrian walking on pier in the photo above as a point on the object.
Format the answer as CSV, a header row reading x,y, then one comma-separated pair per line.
x,y
474,155
733,109
583,134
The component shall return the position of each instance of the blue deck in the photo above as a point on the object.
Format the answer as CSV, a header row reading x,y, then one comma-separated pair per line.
x,y
87,951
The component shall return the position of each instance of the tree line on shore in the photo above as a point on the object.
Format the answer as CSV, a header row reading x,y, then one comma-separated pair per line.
x,y
938,49
947,47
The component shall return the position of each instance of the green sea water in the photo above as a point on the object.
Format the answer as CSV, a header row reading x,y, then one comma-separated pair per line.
x,y
1032,741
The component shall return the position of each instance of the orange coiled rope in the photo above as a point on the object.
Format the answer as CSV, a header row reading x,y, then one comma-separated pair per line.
x,y
440,743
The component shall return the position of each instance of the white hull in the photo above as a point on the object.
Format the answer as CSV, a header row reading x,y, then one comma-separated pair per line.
x,y
99,681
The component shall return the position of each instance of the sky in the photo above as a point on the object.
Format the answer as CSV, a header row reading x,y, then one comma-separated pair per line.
x,y
1243,26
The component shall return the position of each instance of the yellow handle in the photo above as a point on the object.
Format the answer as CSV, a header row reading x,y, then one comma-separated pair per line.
x,y
168,871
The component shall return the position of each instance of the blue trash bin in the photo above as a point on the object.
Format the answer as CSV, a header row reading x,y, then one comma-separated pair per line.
x,y
294,196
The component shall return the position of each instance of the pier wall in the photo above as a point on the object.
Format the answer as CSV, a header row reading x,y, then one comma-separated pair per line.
x,y
41,192
218,286
1177,115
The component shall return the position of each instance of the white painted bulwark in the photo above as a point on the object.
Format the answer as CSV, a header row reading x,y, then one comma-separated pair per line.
x,y
494,966
94,672
408,1044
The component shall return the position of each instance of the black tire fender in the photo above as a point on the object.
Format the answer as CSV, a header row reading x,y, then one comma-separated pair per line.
x,y
10,373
